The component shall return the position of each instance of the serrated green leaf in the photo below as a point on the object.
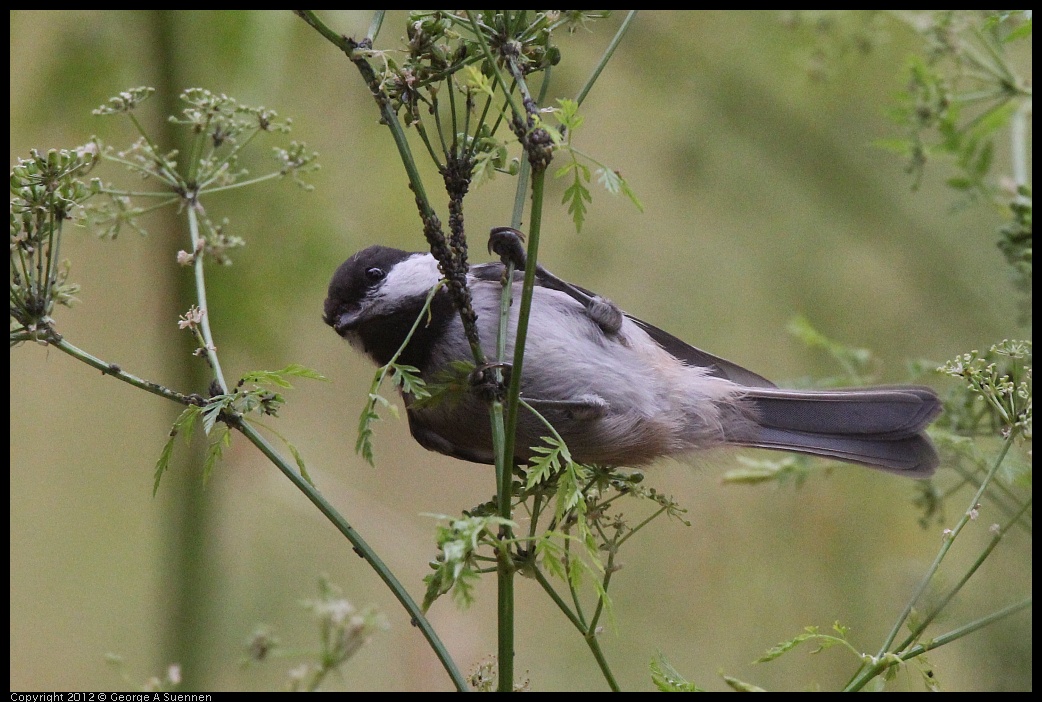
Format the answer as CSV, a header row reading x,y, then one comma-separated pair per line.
x,y
364,443
449,385
568,114
212,412
577,195
666,678
786,646
278,377
477,81
552,556
163,463
409,380
214,451
628,192
610,180
266,378
186,421
575,568
566,168
183,425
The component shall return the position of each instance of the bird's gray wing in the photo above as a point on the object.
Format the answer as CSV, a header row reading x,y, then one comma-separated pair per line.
x,y
717,366
681,350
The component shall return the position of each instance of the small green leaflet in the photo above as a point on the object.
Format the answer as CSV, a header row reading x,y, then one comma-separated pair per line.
x,y
278,378
666,678
183,425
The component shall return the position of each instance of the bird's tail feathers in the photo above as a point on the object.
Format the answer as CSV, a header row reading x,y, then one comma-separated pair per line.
x,y
881,427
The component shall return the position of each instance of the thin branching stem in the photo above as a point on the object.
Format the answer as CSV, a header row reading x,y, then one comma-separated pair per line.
x,y
210,349
173,182
436,111
422,131
561,604
309,490
637,528
585,90
938,607
167,174
116,372
508,93
881,663
948,540
527,290
244,183
218,167
142,193
362,549
53,242
455,119
375,24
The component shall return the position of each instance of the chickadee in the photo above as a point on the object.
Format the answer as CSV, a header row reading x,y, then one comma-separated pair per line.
x,y
619,391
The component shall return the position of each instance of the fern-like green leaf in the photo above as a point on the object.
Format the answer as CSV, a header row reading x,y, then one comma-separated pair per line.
x,y
666,678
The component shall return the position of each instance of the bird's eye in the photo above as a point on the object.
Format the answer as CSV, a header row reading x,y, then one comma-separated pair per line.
x,y
374,274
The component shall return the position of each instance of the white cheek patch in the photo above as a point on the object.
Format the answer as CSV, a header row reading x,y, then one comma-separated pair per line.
x,y
410,279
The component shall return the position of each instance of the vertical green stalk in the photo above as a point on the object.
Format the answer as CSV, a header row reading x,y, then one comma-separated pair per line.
x,y
505,460
200,291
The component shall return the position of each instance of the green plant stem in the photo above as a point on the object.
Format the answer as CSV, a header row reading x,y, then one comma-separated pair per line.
x,y
244,183
859,678
505,464
142,193
576,621
1002,496
169,174
585,90
505,590
880,664
53,243
640,526
518,111
527,289
200,291
361,548
374,24
387,114
220,167
591,634
359,544
115,371
588,632
505,456
939,607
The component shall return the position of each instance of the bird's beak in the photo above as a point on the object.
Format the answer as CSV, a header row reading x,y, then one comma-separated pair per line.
x,y
347,321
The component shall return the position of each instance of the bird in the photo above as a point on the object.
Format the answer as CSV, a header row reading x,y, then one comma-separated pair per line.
x,y
617,390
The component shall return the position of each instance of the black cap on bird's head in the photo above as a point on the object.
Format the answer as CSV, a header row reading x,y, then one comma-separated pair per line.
x,y
375,298
354,280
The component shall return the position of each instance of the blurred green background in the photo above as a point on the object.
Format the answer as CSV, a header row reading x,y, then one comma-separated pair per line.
x,y
763,198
